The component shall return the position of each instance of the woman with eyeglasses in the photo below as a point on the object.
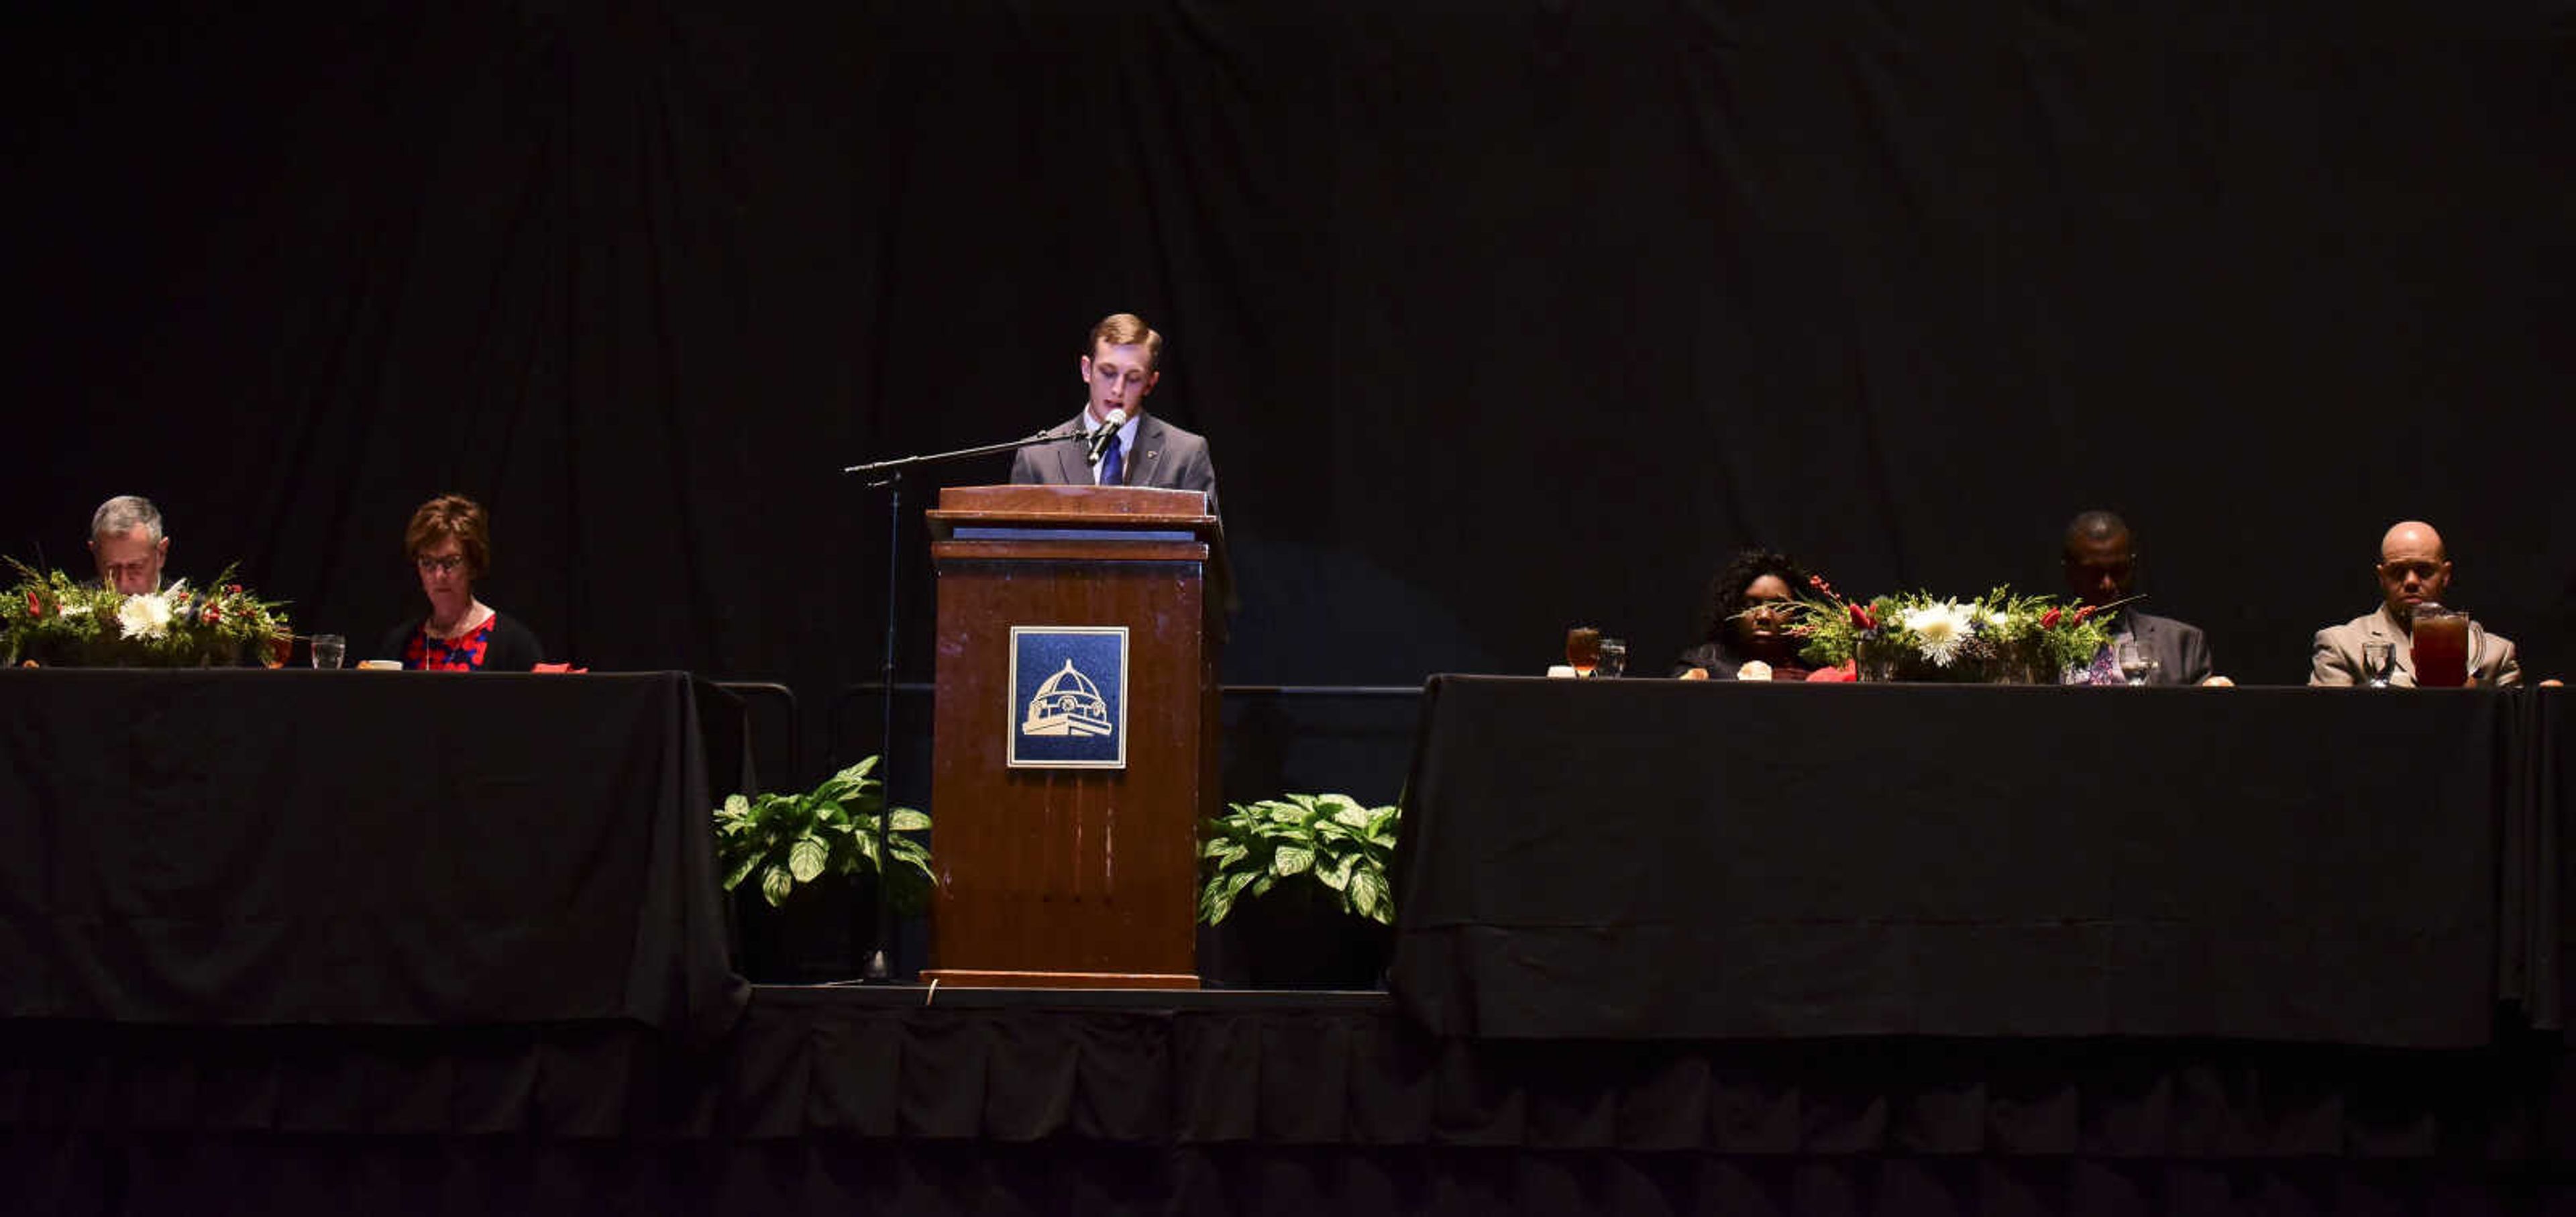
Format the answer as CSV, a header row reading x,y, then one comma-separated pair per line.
x,y
450,543
1744,621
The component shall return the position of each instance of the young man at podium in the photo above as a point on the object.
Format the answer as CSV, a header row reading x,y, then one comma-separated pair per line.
x,y
1121,445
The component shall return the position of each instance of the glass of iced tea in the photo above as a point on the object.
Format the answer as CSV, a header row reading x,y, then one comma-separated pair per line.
x,y
1583,648
2440,643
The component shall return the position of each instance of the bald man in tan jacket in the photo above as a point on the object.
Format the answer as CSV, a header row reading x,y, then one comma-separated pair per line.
x,y
2413,569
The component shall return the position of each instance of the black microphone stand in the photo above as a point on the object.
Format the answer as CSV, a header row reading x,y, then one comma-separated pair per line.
x,y
889,474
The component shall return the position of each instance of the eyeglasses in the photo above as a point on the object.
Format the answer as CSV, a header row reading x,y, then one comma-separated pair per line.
x,y
448,565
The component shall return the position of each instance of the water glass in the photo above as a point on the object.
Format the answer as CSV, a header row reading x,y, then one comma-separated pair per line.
x,y
2135,664
1614,657
2376,660
329,650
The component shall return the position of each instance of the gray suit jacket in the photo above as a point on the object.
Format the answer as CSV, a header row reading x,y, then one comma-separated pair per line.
x,y
2337,658
2181,651
1164,455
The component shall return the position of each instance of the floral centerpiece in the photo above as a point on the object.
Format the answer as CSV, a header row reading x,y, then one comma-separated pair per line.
x,y
52,619
1997,638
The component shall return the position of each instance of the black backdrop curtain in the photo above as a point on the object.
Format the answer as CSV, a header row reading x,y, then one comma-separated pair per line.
x,y
1500,316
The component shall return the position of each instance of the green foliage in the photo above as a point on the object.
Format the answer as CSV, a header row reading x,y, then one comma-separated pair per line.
x,y
53,619
791,839
1327,839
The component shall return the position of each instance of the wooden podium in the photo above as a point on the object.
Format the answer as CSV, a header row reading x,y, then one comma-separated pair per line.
x,y
1079,873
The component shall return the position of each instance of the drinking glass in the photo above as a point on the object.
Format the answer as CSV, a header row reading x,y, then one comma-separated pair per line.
x,y
329,650
2135,664
2376,660
1583,649
1614,657
2441,647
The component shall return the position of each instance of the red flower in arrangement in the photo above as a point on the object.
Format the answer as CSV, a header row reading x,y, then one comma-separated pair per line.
x,y
233,589
2082,613
1841,671
1861,617
2048,620
1818,582
212,611
35,607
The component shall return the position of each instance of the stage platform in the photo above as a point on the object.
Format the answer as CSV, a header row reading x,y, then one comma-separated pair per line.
x,y
843,1099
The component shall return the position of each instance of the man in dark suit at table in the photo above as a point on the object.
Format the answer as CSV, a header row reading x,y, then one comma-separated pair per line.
x,y
1121,367
2101,566
2414,568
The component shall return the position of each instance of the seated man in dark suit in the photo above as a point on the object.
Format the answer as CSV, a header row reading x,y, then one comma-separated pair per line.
x,y
1121,367
2101,564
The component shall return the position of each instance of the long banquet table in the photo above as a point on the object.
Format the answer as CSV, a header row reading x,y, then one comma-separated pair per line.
x,y
1669,859
247,847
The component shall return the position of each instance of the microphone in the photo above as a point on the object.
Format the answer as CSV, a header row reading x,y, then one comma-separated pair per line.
x,y
1099,440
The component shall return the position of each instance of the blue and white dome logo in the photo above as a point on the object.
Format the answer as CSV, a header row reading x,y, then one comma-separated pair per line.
x,y
1068,697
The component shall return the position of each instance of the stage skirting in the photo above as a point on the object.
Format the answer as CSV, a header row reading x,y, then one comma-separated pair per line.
x,y
829,1100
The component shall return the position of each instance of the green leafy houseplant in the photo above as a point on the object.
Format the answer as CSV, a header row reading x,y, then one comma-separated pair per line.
x,y
792,839
1328,839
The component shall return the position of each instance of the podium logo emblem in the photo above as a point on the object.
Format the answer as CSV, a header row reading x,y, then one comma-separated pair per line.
x,y
1068,704
1068,697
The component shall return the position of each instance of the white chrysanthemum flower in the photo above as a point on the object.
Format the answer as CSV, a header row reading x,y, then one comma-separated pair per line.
x,y
1939,629
75,610
145,616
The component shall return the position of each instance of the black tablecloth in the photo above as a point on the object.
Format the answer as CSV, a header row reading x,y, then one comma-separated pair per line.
x,y
1654,858
240,847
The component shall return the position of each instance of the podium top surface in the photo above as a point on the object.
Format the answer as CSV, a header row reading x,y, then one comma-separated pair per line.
x,y
1121,509
1074,506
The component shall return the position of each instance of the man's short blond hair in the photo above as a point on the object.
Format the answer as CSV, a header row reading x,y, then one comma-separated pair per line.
x,y
1126,330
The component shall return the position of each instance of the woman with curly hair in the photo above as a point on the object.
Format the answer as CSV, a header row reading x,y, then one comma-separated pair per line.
x,y
1743,620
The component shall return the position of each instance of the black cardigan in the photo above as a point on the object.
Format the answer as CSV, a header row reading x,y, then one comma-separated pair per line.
x,y
514,646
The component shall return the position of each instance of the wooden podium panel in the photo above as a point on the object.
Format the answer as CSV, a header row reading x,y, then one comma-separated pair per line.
x,y
1073,877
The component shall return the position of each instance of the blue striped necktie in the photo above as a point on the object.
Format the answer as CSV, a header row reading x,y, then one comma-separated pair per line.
x,y
1113,464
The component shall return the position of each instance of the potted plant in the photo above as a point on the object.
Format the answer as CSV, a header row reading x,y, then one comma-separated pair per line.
x,y
809,853
1310,872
